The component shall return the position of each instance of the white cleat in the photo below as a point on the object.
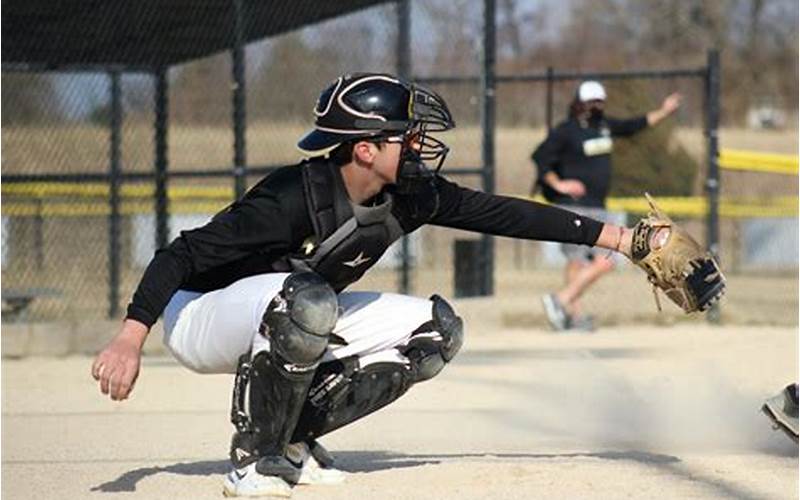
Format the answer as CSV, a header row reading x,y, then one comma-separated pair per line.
x,y
247,482
311,471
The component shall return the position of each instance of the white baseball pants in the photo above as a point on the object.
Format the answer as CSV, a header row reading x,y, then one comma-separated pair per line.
x,y
208,332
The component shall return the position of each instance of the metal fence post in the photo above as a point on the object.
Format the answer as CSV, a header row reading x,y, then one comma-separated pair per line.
x,y
403,51
549,99
161,158
487,127
115,180
239,118
712,184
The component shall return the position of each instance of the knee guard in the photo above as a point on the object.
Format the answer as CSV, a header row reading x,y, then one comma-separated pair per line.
x,y
297,323
342,392
436,342
300,318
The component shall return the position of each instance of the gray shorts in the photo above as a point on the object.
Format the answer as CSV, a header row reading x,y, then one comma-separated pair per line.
x,y
583,252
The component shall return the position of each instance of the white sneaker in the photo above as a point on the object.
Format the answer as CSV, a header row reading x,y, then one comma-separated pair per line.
x,y
782,410
247,482
554,311
311,471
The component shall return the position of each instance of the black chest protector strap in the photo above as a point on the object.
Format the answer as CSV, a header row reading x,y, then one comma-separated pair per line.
x,y
321,188
348,239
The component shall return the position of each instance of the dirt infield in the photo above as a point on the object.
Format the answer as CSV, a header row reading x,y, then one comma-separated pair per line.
x,y
642,412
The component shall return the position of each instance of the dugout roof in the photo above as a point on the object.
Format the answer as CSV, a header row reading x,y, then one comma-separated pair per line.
x,y
147,34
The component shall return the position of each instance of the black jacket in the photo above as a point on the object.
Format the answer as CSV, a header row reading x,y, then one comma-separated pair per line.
x,y
578,150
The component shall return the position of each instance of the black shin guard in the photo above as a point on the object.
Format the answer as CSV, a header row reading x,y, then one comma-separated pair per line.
x,y
342,393
297,323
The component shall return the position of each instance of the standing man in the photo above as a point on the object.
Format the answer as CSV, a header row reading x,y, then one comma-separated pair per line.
x,y
260,291
574,171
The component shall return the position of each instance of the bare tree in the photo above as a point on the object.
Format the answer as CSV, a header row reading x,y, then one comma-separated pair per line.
x,y
28,98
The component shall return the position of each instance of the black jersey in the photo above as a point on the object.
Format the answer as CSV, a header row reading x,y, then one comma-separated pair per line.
x,y
256,234
578,150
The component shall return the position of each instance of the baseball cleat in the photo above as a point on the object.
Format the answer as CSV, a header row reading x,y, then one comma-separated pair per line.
x,y
313,471
247,482
782,411
556,314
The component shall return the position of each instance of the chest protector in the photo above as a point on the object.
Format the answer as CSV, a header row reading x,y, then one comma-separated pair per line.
x,y
348,239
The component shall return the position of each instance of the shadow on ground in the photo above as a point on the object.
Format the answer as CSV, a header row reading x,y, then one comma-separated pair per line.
x,y
372,461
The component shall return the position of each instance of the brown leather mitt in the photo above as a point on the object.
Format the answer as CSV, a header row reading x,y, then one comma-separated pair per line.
x,y
675,262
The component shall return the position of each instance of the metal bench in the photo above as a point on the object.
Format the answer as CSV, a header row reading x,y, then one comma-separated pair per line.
x,y
16,301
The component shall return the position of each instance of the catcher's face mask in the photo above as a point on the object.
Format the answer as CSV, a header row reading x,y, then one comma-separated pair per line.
x,y
429,114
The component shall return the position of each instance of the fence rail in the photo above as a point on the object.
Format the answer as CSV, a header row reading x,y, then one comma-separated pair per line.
x,y
45,200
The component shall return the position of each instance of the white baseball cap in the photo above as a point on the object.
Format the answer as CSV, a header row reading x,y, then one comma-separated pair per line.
x,y
591,91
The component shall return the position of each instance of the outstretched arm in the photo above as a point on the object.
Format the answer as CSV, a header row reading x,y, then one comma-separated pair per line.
x,y
670,104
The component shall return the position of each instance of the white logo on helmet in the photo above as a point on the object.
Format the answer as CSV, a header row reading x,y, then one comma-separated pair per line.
x,y
355,112
330,100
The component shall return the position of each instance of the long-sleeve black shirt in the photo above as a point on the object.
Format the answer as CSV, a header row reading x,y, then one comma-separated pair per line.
x,y
272,221
581,151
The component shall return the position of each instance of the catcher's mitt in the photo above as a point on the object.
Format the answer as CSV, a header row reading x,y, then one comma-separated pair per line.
x,y
675,262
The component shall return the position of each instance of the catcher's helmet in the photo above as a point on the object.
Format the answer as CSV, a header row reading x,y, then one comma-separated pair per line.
x,y
375,105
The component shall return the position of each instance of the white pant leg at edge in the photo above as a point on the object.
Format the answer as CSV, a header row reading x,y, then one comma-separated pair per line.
x,y
208,332
373,322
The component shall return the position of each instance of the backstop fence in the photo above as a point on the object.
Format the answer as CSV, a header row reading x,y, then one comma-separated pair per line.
x,y
103,165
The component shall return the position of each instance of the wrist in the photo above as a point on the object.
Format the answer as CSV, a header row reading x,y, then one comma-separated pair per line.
x,y
134,331
625,242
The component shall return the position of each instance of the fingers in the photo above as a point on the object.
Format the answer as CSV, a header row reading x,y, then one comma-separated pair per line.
x,y
105,378
117,380
97,367
116,383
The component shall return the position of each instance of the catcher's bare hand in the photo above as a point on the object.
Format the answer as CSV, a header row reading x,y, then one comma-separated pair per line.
x,y
117,366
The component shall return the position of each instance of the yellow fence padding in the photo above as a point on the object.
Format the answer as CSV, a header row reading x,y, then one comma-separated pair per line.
x,y
754,161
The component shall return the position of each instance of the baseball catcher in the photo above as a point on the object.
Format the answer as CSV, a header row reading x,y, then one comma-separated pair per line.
x,y
261,291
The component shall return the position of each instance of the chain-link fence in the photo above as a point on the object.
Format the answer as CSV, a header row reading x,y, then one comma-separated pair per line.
x,y
80,204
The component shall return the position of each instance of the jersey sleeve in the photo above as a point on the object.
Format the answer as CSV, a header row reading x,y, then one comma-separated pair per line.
x,y
257,223
623,128
548,154
471,210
